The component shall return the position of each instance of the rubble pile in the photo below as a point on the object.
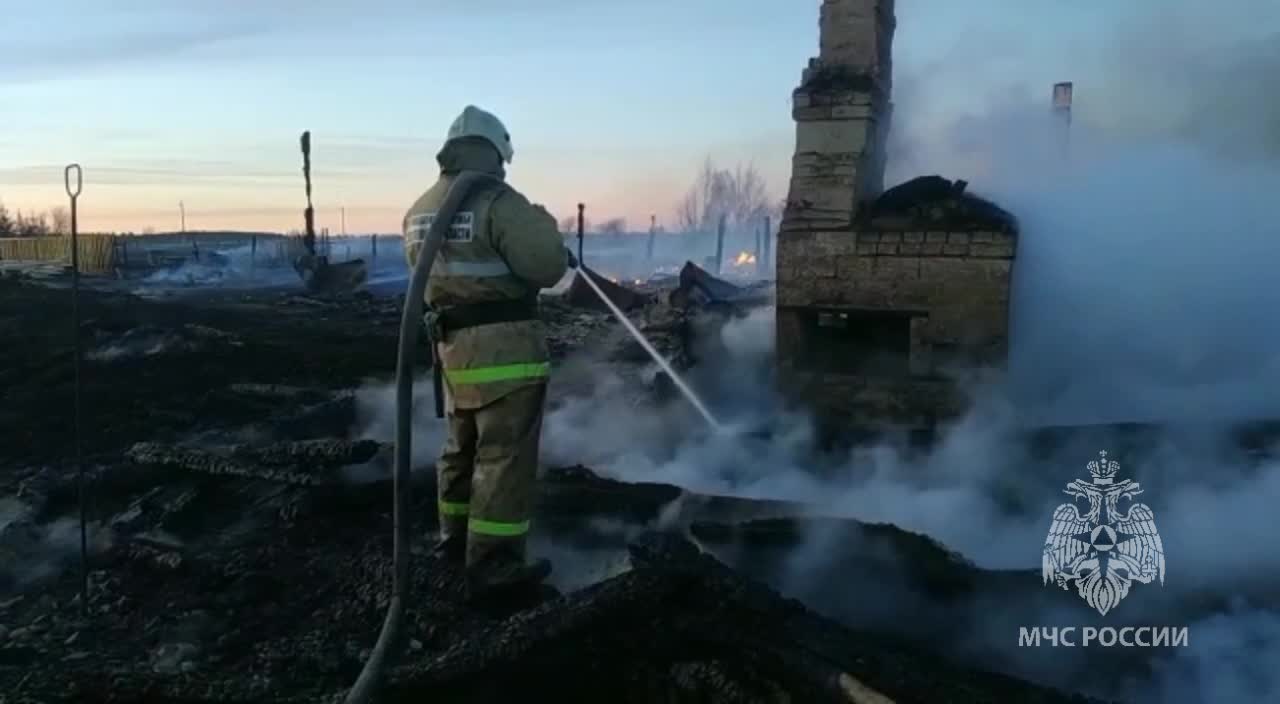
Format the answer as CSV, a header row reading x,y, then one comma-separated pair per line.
x,y
581,295
188,603
692,307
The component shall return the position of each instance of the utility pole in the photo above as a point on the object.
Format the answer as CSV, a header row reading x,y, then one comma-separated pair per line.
x,y
182,210
344,221
1062,111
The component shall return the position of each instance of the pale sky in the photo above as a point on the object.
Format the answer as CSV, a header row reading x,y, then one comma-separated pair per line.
x,y
614,103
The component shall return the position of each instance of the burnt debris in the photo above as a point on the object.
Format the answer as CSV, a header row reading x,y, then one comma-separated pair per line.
x,y
933,201
240,545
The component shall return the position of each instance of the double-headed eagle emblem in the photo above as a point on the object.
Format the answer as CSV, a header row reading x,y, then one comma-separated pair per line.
x,y
1104,550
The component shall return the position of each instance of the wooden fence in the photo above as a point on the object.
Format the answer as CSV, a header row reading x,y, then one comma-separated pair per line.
x,y
97,252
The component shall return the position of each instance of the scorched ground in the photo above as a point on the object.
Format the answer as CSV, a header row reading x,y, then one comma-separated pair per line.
x,y
240,538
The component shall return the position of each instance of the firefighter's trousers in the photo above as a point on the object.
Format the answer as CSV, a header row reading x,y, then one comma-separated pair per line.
x,y
486,478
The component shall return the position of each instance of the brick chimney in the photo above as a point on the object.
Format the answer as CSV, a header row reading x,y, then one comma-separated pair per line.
x,y
842,113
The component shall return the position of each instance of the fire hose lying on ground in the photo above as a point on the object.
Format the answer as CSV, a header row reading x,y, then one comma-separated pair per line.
x,y
362,691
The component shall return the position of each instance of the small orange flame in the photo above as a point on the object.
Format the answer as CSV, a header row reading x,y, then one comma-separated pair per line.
x,y
744,258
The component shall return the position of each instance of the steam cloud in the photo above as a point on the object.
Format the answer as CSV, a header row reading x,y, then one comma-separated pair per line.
x,y
1142,293
982,493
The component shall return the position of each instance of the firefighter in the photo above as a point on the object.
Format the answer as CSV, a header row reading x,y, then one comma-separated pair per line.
x,y
482,295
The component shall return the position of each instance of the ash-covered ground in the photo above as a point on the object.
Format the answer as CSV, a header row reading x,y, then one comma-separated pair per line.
x,y
239,530
236,437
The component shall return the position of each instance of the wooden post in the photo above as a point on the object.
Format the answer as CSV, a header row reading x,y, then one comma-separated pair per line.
x,y
581,207
720,244
373,250
759,250
768,242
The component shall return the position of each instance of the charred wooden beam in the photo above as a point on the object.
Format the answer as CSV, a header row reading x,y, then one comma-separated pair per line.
x,y
579,491
156,454
329,452
280,391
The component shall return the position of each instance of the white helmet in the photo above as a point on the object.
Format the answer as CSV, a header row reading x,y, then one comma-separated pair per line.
x,y
474,122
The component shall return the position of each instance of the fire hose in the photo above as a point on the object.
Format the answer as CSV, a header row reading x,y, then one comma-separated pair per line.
x,y
586,275
363,689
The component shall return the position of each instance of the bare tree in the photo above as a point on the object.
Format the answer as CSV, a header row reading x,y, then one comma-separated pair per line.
x,y
59,221
740,195
614,226
6,222
30,225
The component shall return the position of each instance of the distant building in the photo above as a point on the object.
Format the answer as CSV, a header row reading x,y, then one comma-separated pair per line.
x,y
880,293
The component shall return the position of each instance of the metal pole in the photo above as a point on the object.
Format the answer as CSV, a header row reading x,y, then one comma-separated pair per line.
x,y
720,244
653,229
74,193
581,207
373,250
253,256
182,209
344,222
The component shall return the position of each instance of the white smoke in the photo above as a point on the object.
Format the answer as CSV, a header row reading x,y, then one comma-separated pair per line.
x,y
1142,292
376,420
980,492
269,263
42,551
239,266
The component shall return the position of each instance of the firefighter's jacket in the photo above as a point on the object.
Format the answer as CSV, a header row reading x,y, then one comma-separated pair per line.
x,y
500,247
